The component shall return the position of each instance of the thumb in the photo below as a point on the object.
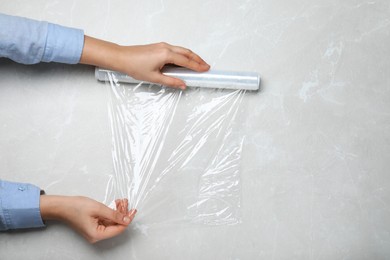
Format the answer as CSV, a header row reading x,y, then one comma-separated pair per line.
x,y
114,216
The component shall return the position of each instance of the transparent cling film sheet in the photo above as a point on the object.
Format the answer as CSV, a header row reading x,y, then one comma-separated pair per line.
x,y
176,154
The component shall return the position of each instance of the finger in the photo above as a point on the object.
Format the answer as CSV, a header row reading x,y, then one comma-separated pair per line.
x,y
131,214
189,54
122,206
184,61
113,215
126,206
108,231
107,222
169,81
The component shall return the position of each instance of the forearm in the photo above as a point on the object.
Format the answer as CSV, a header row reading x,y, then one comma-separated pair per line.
x,y
29,41
19,206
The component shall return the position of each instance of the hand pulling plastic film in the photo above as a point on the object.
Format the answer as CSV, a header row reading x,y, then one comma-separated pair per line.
x,y
176,155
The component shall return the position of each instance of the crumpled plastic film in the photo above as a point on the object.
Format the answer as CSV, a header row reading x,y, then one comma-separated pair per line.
x,y
176,152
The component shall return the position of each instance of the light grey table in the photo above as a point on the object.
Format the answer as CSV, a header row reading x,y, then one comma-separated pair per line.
x,y
315,182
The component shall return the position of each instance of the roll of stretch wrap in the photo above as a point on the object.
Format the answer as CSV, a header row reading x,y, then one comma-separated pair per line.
x,y
209,79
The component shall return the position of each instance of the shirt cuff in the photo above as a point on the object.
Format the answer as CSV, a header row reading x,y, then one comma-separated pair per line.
x,y
19,206
63,44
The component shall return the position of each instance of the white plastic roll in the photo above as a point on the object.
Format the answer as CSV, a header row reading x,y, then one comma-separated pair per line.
x,y
209,79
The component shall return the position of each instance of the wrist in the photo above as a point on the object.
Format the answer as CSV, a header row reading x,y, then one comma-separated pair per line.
x,y
52,207
100,53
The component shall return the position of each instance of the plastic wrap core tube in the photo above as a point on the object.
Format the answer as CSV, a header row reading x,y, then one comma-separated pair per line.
x,y
209,79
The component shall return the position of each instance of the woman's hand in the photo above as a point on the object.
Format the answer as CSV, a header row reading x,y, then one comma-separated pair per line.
x,y
92,219
143,62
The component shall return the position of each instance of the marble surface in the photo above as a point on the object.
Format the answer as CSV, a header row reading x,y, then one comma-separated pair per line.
x,y
314,176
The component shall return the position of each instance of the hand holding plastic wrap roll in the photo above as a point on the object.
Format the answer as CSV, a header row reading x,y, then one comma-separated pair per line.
x,y
143,62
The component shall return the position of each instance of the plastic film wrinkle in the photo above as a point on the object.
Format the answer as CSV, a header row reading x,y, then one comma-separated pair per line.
x,y
176,152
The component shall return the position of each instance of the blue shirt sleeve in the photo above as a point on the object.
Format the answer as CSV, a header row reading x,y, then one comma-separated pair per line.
x,y
19,206
29,41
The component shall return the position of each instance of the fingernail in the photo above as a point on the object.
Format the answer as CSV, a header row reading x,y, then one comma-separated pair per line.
x,y
126,219
183,87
